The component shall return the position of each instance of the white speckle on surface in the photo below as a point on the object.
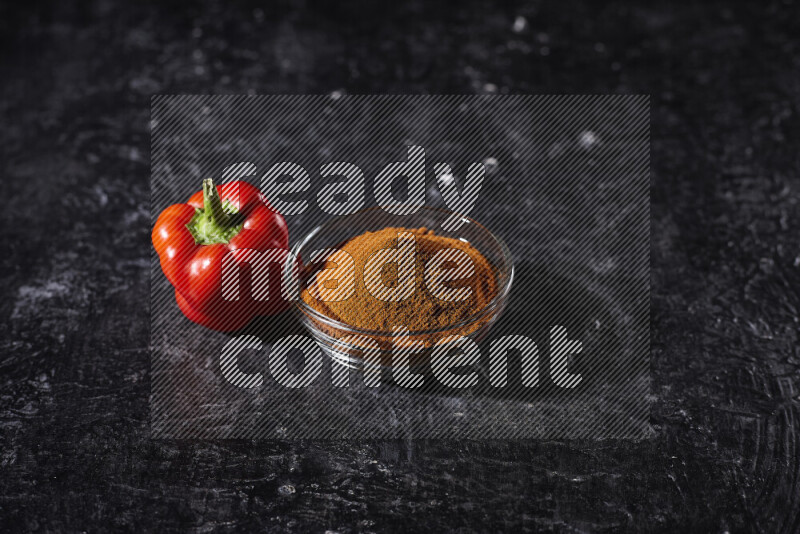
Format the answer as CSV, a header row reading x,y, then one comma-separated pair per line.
x,y
286,490
489,88
446,179
520,23
102,197
30,297
491,164
60,296
337,94
42,383
604,266
588,139
9,458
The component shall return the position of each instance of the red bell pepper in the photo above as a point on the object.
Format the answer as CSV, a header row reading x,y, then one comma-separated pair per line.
x,y
215,226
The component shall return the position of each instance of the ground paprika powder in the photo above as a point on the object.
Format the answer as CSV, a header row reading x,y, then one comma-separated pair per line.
x,y
422,310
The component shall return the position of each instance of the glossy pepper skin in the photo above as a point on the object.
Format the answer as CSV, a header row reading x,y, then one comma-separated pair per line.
x,y
229,223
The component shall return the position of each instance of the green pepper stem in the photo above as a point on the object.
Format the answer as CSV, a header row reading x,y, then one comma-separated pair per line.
x,y
212,206
214,223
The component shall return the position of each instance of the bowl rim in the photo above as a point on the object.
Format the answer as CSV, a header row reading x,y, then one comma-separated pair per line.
x,y
299,305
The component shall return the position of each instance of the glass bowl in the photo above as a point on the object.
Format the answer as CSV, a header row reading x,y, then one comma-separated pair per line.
x,y
345,343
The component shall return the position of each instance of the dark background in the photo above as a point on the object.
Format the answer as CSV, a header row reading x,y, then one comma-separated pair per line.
x,y
575,220
75,452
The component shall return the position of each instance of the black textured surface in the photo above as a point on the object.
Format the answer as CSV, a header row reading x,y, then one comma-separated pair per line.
x,y
573,268
75,452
